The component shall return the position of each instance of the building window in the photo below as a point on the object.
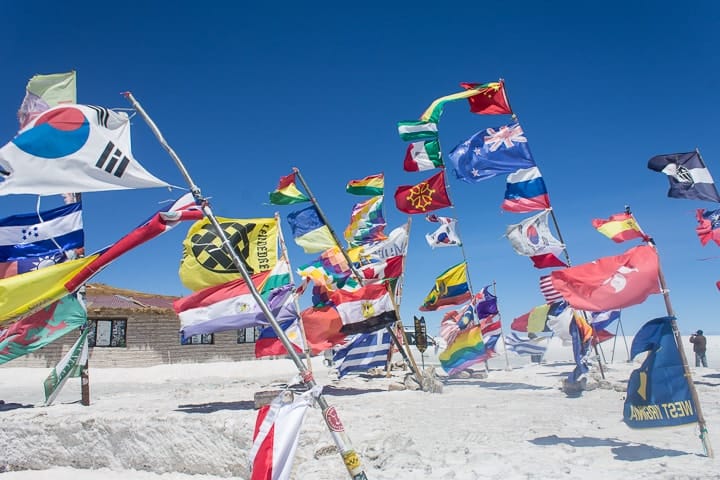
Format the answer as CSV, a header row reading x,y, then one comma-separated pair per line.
x,y
202,339
107,333
248,335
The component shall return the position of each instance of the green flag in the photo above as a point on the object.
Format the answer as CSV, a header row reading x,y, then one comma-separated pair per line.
x,y
71,365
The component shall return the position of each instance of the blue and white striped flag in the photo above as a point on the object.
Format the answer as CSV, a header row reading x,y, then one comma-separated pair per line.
x,y
363,352
525,345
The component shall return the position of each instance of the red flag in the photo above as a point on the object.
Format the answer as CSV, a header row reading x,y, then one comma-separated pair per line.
x,y
424,197
322,327
547,260
490,100
610,283
708,227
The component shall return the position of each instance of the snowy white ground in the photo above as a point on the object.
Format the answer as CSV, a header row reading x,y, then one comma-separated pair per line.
x,y
195,421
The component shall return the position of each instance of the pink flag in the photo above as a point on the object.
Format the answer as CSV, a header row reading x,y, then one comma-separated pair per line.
x,y
610,283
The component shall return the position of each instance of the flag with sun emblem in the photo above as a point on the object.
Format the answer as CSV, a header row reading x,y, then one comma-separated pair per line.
x,y
424,197
658,394
491,152
451,288
205,263
30,241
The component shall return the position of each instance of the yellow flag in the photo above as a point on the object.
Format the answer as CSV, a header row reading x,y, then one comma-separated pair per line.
x,y
204,261
27,292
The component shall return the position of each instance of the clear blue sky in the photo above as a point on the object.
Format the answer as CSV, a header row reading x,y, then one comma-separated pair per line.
x,y
244,92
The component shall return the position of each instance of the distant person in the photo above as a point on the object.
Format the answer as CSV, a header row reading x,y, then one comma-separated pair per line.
x,y
699,347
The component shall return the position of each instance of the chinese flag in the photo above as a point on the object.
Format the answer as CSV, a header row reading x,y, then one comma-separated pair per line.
x,y
424,197
610,283
490,100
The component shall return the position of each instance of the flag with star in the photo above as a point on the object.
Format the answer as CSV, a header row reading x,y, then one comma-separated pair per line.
x,y
491,152
424,197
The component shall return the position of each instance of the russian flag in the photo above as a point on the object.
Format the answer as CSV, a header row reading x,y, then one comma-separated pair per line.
x,y
525,192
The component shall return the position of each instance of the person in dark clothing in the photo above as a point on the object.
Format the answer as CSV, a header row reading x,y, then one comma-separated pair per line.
x,y
699,347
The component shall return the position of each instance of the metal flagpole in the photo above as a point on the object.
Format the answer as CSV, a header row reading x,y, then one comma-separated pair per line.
x,y
612,358
330,415
355,272
704,438
283,248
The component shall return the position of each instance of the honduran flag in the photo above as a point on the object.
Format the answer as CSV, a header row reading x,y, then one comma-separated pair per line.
x,y
525,191
364,310
276,435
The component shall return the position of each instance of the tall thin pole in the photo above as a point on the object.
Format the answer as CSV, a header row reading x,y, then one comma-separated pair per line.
x,y
330,415
688,376
507,359
283,249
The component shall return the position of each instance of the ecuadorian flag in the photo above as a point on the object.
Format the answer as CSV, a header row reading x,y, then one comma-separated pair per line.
x,y
451,288
467,349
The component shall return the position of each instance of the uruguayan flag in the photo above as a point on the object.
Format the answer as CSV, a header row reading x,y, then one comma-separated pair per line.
x,y
525,345
363,352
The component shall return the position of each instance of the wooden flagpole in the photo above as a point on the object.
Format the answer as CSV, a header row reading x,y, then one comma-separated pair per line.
x,y
330,415
704,438
283,248
357,275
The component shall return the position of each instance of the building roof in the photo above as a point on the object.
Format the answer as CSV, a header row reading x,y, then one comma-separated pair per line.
x,y
100,297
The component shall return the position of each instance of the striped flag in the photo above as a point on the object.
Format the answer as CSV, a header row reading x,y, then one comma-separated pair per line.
x,y
525,345
548,291
413,130
71,365
491,333
421,156
363,352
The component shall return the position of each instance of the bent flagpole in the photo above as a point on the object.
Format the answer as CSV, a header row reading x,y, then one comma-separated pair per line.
x,y
332,420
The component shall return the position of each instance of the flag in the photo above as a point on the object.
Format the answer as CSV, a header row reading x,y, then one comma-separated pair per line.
x,y
658,393
581,334
76,148
71,365
370,185
548,291
363,352
411,131
382,270
394,245
535,321
28,292
708,226
41,328
367,223
205,263
364,310
44,92
451,288
525,192
160,222
491,332
602,320
525,345
610,283
688,176
268,344
421,156
310,231
287,192
559,317
445,235
491,152
490,100
230,306
322,327
532,238
485,303
487,98
467,350
619,227
276,435
424,197
34,240
449,326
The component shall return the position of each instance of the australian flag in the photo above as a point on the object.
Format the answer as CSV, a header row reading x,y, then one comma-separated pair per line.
x,y
689,177
490,152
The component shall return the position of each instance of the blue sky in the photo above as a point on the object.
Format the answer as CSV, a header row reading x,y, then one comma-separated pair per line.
x,y
245,92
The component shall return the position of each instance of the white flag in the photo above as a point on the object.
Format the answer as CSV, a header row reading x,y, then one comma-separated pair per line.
x,y
71,365
532,236
73,148
445,235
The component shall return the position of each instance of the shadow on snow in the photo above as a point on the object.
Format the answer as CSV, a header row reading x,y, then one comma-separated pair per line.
x,y
629,452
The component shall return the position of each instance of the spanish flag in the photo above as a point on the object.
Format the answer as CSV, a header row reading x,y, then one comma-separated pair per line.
x,y
619,227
